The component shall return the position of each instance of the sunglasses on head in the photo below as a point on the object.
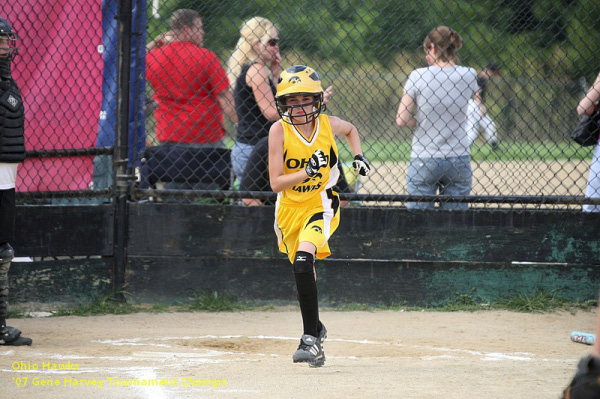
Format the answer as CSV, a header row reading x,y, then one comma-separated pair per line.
x,y
273,42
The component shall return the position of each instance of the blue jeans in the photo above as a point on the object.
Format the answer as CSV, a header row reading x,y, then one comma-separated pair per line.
x,y
102,176
452,176
592,189
239,158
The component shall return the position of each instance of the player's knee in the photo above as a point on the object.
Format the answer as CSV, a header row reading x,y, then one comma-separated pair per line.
x,y
303,263
6,253
4,268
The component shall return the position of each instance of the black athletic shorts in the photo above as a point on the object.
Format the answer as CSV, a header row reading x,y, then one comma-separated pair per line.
x,y
7,215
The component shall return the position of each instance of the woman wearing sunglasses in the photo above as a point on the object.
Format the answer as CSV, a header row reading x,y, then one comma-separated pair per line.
x,y
253,69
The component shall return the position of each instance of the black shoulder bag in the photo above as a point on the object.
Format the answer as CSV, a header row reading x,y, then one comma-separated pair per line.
x,y
587,130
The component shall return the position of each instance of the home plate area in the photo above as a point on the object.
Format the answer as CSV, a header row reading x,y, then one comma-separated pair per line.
x,y
391,354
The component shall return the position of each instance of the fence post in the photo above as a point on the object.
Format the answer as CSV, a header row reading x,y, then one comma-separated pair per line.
x,y
121,151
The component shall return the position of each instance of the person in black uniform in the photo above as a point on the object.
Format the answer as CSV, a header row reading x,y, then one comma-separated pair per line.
x,y
12,152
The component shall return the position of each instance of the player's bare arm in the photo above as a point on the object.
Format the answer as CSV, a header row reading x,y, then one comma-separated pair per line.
x,y
278,180
227,104
347,129
258,79
589,103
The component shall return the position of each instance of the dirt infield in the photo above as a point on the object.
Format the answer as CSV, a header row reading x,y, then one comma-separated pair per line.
x,y
376,355
494,178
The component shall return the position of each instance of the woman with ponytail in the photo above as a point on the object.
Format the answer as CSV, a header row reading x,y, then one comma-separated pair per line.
x,y
435,103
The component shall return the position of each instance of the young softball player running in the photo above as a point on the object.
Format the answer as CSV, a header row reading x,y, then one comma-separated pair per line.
x,y
303,169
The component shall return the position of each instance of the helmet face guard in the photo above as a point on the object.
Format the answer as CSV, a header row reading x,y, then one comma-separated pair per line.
x,y
7,34
287,114
299,80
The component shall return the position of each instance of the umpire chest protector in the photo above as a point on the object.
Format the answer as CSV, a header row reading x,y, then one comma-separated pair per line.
x,y
12,123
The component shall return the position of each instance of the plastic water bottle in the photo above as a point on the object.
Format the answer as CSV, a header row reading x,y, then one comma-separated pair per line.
x,y
583,338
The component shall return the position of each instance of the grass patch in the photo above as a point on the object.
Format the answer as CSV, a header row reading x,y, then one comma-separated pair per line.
x,y
214,302
359,307
362,307
109,303
465,302
15,314
159,308
540,301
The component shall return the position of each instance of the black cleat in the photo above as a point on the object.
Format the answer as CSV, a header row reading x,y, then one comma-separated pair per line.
x,y
322,333
11,336
310,351
20,341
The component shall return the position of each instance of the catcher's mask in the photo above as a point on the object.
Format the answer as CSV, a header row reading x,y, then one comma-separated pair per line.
x,y
8,41
299,80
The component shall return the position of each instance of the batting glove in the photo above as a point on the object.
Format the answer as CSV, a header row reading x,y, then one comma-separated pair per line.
x,y
316,162
361,165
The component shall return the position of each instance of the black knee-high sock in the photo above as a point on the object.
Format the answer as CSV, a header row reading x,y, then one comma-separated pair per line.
x,y
307,291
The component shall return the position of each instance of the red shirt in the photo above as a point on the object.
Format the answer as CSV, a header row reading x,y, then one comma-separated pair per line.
x,y
187,81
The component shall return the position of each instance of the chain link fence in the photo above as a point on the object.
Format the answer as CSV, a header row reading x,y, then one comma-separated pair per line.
x,y
183,130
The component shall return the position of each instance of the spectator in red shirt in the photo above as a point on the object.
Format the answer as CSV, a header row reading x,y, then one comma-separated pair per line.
x,y
190,86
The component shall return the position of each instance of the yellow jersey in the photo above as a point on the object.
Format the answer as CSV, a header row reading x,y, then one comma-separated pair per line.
x,y
297,151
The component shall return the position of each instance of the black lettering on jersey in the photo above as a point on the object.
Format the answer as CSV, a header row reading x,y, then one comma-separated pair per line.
x,y
318,176
307,188
294,163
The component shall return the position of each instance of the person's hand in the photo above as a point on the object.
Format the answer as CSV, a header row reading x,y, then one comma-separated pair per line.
x,y
316,162
361,166
482,110
161,40
327,93
275,67
165,38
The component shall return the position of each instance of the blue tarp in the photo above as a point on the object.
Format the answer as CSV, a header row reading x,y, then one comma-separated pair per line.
x,y
108,113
